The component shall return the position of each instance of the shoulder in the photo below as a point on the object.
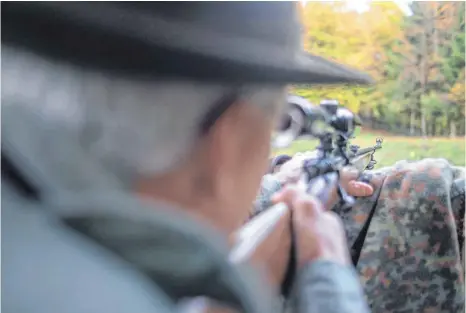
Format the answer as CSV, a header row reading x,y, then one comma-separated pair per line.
x,y
429,187
415,224
50,268
424,192
429,171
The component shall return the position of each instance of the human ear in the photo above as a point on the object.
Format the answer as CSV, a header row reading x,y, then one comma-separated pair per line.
x,y
223,147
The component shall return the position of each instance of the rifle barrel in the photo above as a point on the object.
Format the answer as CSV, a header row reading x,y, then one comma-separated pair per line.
x,y
366,150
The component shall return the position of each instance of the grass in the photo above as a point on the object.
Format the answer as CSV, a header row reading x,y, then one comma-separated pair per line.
x,y
396,148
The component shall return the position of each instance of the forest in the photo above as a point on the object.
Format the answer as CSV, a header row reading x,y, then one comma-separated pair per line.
x,y
417,61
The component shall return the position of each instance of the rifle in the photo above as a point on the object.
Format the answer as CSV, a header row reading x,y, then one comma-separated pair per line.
x,y
333,126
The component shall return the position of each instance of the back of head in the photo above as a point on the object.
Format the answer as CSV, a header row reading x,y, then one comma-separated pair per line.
x,y
132,127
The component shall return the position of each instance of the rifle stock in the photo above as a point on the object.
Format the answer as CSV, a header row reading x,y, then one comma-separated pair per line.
x,y
253,233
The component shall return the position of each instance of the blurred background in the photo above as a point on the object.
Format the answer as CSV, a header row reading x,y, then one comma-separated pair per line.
x,y
416,53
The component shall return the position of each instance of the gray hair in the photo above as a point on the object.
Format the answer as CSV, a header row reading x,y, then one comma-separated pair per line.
x,y
144,127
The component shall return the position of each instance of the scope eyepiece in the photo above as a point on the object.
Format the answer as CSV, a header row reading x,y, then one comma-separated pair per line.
x,y
330,106
343,121
301,119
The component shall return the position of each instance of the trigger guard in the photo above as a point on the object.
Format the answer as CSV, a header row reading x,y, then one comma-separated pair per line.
x,y
364,178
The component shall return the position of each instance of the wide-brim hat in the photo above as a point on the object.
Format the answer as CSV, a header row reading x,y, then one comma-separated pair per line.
x,y
234,42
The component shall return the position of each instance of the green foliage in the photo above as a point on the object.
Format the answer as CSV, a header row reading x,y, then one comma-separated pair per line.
x,y
455,60
418,61
432,102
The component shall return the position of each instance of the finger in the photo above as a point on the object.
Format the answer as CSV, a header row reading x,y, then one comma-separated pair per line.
x,y
285,195
332,197
348,177
306,208
359,189
348,174
304,205
334,224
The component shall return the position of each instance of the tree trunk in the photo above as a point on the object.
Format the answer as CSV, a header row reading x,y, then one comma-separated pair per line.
x,y
434,127
428,127
412,120
423,124
452,128
423,70
434,28
462,126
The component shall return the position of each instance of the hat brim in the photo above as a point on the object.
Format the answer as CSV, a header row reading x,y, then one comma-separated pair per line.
x,y
134,42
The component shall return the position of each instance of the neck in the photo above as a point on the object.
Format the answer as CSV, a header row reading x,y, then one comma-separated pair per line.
x,y
189,195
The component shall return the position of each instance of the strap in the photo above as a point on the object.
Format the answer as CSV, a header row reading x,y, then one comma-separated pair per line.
x,y
291,269
457,195
356,248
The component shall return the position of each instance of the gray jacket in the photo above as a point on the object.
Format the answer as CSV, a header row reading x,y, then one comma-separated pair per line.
x,y
74,241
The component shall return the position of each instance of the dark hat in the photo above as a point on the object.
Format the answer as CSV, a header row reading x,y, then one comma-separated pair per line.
x,y
215,41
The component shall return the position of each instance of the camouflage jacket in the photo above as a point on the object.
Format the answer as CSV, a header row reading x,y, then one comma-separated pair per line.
x,y
407,238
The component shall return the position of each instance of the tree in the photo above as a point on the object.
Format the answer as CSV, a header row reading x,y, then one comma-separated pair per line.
x,y
417,61
346,37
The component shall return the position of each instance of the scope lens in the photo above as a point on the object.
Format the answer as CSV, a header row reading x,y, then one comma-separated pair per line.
x,y
284,123
330,106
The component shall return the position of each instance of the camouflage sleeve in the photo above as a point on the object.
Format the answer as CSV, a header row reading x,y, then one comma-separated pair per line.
x,y
269,186
409,259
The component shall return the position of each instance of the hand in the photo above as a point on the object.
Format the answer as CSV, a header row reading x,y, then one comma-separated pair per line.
x,y
353,187
319,232
348,180
291,171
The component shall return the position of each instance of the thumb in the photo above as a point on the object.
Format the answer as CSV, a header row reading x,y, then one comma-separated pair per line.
x,y
359,189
